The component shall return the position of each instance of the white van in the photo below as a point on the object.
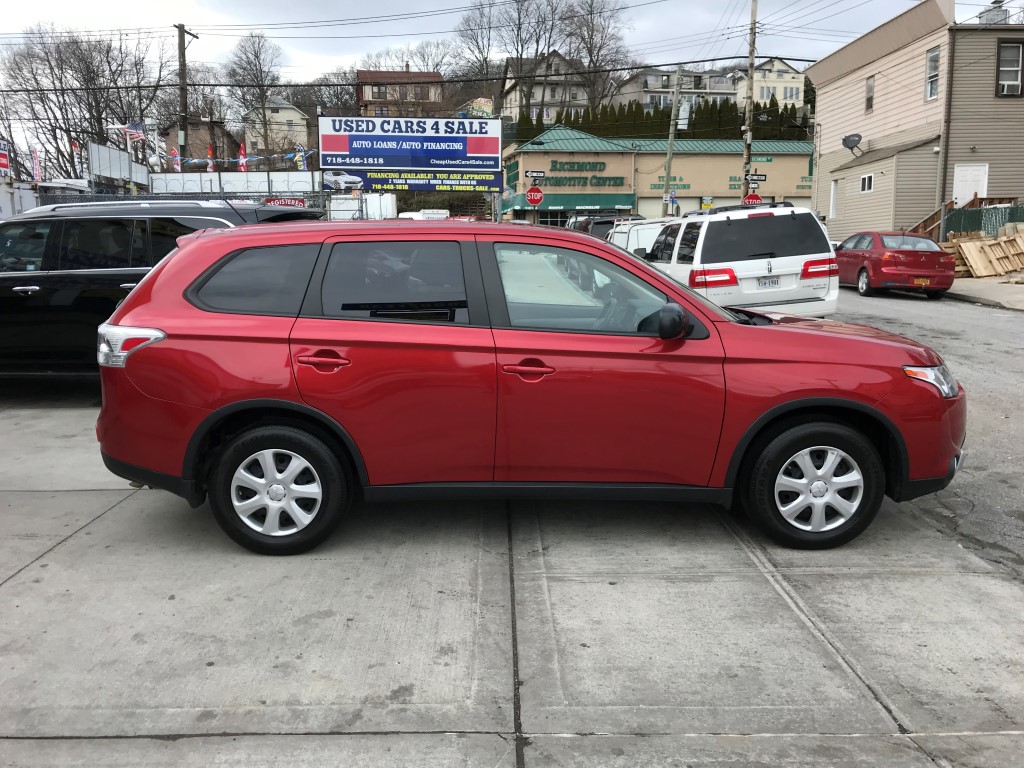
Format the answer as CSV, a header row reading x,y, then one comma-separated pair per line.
x,y
630,235
769,258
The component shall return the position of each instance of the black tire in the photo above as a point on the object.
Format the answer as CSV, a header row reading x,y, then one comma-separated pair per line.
x,y
934,295
323,469
778,454
864,283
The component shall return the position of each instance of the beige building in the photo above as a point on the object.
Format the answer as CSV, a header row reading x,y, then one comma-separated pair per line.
x,y
938,119
549,83
774,77
585,173
287,127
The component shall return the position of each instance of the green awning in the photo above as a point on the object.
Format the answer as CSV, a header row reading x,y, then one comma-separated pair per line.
x,y
593,201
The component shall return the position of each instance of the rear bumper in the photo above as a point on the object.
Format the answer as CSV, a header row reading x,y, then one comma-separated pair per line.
x,y
904,278
144,476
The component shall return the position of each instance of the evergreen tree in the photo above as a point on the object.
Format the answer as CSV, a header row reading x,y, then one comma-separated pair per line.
x,y
524,128
586,120
774,122
560,116
714,124
538,127
622,120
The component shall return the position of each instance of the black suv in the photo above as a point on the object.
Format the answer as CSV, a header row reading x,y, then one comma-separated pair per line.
x,y
64,268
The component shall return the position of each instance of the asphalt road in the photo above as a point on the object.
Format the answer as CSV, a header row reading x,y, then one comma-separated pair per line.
x,y
984,347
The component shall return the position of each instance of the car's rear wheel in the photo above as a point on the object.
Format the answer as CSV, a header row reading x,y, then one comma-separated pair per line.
x,y
864,284
933,295
816,485
278,490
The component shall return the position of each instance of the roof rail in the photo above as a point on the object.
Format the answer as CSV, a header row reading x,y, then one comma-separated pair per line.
x,y
741,207
128,201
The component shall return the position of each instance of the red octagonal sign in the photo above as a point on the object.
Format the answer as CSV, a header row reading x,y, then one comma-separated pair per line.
x,y
534,195
752,199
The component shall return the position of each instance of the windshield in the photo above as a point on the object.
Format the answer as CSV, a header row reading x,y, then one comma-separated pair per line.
x,y
759,237
909,243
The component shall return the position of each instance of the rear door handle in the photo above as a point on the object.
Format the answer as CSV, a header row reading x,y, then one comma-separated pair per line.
x,y
25,288
128,286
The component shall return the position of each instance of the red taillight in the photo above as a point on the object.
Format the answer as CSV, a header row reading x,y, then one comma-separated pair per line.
x,y
115,342
712,278
819,268
758,215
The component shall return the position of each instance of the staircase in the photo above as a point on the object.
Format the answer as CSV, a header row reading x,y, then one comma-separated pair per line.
x,y
930,225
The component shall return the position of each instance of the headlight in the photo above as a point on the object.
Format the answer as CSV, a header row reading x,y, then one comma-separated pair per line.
x,y
939,376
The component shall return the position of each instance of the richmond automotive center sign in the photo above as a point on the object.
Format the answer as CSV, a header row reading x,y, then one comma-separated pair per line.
x,y
393,154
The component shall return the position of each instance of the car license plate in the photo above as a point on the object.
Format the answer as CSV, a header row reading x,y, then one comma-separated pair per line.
x,y
921,281
767,282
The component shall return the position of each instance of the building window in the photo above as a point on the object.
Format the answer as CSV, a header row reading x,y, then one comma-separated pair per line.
x,y
379,92
796,94
574,94
274,111
420,93
558,69
380,111
869,94
289,124
403,93
1011,63
698,81
867,183
554,92
931,87
665,81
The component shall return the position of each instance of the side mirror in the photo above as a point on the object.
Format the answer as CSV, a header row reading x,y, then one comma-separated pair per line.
x,y
673,322
640,253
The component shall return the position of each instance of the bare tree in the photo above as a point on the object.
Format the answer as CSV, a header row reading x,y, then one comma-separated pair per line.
x,y
254,70
596,40
72,88
334,90
526,31
475,32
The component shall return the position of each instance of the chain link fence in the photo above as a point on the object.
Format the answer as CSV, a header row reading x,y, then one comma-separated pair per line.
x,y
987,220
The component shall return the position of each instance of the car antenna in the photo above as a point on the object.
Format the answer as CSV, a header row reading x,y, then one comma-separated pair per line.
x,y
235,210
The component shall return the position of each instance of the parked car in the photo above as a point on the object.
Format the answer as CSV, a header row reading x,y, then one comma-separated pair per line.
x,y
277,373
341,181
63,269
600,225
771,257
630,235
874,261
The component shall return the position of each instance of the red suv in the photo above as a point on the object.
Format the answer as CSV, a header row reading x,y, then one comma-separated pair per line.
x,y
284,371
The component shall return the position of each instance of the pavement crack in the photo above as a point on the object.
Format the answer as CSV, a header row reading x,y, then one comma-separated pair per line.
x,y
517,719
812,622
80,528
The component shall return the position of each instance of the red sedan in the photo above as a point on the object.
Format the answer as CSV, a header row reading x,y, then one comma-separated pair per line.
x,y
877,260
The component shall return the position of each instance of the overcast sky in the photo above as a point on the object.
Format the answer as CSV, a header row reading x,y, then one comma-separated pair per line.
x,y
660,32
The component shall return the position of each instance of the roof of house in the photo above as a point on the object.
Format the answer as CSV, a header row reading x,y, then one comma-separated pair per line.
x,y
874,155
561,138
276,102
368,76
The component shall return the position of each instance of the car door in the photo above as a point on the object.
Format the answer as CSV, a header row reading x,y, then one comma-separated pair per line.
x,y
845,258
587,392
866,254
393,343
28,251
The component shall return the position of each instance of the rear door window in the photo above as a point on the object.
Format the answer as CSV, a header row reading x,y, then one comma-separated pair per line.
x,y
164,233
763,237
688,244
22,245
410,281
103,244
271,280
661,251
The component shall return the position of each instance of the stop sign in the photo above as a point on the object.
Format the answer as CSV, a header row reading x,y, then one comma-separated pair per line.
x,y
534,195
752,199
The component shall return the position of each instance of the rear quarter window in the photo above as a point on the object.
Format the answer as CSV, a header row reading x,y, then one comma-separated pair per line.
x,y
258,281
762,237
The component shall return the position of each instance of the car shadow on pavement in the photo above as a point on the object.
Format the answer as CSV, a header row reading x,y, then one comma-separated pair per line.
x,y
76,392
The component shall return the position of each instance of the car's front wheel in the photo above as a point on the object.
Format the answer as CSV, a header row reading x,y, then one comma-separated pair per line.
x,y
816,485
278,490
864,284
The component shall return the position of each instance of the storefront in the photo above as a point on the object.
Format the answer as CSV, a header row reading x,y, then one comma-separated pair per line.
x,y
584,173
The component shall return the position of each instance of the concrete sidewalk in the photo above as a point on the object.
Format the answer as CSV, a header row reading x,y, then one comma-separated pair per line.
x,y
1006,291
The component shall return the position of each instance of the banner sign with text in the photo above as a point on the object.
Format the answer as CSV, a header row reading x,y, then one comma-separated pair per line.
x,y
5,159
421,144
411,181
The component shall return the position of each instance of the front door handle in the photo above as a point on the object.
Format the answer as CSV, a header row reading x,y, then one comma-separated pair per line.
x,y
25,288
530,369
322,362
128,286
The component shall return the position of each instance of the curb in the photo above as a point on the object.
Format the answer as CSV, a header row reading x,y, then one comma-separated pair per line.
x,y
976,300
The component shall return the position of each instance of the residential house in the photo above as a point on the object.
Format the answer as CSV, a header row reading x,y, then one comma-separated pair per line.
x,y
938,110
548,83
773,77
654,87
288,127
398,93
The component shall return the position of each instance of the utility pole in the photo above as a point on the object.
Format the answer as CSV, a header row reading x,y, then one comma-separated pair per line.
x,y
671,140
748,128
182,90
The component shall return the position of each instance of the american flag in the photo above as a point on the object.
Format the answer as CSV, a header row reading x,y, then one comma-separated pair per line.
x,y
135,131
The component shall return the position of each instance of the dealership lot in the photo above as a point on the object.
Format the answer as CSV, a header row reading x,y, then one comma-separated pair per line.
x,y
640,633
